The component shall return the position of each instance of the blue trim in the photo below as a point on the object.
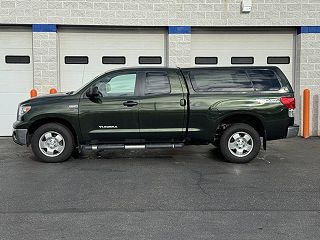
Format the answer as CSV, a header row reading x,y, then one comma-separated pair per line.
x,y
44,28
179,30
308,29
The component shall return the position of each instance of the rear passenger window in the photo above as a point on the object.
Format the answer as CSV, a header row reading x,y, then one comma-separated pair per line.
x,y
220,80
157,83
264,80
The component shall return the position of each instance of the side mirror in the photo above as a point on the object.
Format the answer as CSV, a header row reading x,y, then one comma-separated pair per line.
x,y
92,92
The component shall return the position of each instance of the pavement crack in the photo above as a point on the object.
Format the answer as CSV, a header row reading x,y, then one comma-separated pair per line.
x,y
199,183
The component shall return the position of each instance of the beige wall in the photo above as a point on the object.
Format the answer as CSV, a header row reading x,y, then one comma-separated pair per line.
x,y
161,12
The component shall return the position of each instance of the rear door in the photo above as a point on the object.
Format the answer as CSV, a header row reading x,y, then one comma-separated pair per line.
x,y
162,106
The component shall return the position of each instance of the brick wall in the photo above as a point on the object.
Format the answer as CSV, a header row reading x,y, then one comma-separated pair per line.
x,y
179,54
161,12
308,75
45,61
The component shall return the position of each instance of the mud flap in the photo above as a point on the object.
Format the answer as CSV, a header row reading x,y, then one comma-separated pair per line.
x,y
265,140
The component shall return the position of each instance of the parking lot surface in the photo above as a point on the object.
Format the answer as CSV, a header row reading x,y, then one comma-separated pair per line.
x,y
189,193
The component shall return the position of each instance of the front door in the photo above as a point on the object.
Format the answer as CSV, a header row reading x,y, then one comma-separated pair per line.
x,y
113,116
162,106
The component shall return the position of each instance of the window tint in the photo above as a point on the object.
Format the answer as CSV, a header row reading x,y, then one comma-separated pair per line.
x,y
220,80
15,59
278,60
150,60
121,85
113,60
157,83
206,60
242,60
264,80
76,60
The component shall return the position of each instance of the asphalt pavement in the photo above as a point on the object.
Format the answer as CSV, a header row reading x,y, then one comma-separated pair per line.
x,y
188,193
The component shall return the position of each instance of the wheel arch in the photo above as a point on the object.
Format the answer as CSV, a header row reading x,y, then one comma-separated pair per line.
x,y
251,119
39,122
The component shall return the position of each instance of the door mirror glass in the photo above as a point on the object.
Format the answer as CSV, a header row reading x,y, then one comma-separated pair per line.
x,y
92,92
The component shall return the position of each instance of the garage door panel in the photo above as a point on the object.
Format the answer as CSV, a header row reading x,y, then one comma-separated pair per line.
x,y
125,43
72,80
12,101
257,44
95,58
6,124
9,39
8,114
16,80
15,52
111,41
244,41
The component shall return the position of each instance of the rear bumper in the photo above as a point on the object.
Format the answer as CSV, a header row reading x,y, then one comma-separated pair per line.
x,y
293,131
20,136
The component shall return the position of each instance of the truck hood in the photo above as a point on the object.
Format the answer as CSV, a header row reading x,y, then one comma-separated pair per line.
x,y
45,98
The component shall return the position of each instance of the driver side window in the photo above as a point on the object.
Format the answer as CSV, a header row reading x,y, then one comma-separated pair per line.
x,y
120,85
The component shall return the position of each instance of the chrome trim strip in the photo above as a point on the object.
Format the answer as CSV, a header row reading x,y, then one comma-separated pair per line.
x,y
134,146
145,130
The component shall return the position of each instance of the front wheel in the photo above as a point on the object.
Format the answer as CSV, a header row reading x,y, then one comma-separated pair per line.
x,y
52,142
240,143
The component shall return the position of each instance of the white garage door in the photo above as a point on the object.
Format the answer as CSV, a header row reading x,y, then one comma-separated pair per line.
x,y
237,48
84,54
16,74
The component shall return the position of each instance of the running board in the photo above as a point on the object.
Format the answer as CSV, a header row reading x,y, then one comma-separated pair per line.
x,y
140,146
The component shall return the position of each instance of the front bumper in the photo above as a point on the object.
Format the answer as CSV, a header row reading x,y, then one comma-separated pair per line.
x,y
20,136
293,131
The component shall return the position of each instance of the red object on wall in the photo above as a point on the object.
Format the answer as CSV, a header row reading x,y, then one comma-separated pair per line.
x,y
53,91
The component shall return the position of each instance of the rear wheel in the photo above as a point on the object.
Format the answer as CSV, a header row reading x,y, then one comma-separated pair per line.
x,y
52,142
240,143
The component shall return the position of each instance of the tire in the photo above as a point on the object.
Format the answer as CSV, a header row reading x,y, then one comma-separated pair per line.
x,y
52,143
240,143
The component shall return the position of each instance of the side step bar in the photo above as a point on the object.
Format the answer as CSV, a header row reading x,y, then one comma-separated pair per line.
x,y
140,146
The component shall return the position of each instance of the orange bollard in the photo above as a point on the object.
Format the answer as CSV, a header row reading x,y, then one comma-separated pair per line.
x,y
33,93
53,91
306,113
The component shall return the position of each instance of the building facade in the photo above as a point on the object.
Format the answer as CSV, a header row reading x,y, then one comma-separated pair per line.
x,y
65,43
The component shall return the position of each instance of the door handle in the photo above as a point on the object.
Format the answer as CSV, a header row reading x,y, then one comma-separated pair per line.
x,y
130,103
183,102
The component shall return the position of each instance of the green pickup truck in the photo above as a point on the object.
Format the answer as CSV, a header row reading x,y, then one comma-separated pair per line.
x,y
233,108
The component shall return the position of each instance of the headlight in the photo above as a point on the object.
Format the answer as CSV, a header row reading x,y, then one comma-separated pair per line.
x,y
23,110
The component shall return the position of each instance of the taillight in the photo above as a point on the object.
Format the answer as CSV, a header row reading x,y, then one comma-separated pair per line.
x,y
289,102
